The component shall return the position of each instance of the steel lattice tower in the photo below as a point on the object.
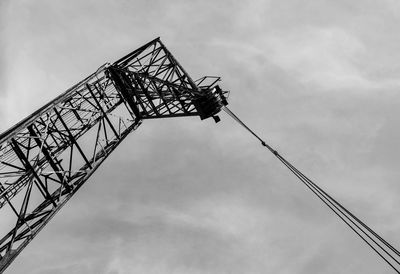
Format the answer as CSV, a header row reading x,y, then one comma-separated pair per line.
x,y
48,156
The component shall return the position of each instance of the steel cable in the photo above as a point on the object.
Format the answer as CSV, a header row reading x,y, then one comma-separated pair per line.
x,y
355,224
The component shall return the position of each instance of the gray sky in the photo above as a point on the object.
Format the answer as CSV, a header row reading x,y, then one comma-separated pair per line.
x,y
317,79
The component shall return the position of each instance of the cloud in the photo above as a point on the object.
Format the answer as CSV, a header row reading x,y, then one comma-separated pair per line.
x,y
325,57
184,196
225,216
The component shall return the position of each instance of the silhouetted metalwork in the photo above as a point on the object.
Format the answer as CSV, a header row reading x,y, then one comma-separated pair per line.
x,y
49,155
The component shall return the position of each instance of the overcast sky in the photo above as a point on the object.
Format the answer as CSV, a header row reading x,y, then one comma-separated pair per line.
x,y
319,80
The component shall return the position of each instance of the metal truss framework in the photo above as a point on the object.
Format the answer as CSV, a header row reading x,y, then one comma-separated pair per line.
x,y
49,155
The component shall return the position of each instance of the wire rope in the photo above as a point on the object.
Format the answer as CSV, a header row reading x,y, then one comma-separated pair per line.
x,y
384,249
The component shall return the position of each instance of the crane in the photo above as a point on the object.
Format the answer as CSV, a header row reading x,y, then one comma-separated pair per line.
x,y
49,155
